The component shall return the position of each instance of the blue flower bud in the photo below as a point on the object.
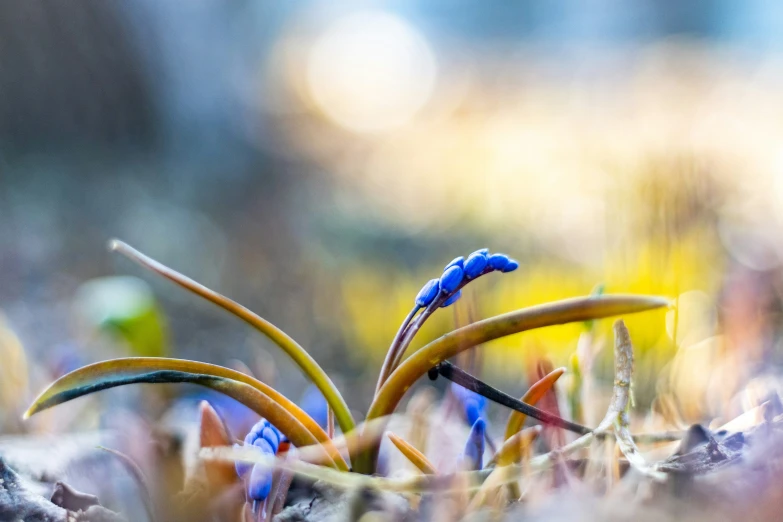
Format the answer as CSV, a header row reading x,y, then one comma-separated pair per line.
x,y
258,431
451,300
314,404
260,483
457,261
475,264
428,292
484,251
473,455
265,438
264,446
511,266
451,279
473,404
498,261
272,437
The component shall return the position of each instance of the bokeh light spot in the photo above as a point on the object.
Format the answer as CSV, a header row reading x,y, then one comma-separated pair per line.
x,y
370,71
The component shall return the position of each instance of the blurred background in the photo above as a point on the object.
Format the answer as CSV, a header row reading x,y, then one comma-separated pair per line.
x,y
319,161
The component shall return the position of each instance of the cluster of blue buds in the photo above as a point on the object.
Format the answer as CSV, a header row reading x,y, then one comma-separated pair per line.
x,y
460,270
264,437
472,457
258,481
473,405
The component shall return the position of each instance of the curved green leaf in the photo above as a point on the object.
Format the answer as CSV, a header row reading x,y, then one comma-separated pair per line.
x,y
449,345
298,354
264,400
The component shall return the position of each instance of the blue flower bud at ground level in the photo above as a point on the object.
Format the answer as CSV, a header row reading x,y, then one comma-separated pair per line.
x,y
473,455
265,438
314,404
451,300
264,446
451,279
473,404
272,436
511,266
475,264
498,261
428,292
457,261
263,429
260,483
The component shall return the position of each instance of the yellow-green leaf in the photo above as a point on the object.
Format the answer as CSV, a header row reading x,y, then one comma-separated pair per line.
x,y
263,399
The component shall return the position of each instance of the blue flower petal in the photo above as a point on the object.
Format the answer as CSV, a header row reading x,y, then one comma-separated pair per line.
x,y
484,251
428,292
264,446
451,300
260,483
498,261
511,266
475,264
473,456
272,436
474,405
457,261
451,279
265,438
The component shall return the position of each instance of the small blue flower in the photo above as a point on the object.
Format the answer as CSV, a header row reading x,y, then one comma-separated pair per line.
x,y
457,261
473,404
498,261
451,300
428,293
451,279
473,455
260,483
511,266
475,264
265,438
314,404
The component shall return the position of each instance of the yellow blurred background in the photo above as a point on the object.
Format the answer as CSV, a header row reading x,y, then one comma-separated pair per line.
x,y
320,163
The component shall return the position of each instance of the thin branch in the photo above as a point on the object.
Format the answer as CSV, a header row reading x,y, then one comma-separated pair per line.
x,y
464,379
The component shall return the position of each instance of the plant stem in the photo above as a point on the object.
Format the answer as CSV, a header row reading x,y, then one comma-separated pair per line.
x,y
560,312
390,362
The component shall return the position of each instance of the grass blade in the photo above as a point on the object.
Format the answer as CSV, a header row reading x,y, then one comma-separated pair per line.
x,y
119,372
560,312
517,419
298,354
415,456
